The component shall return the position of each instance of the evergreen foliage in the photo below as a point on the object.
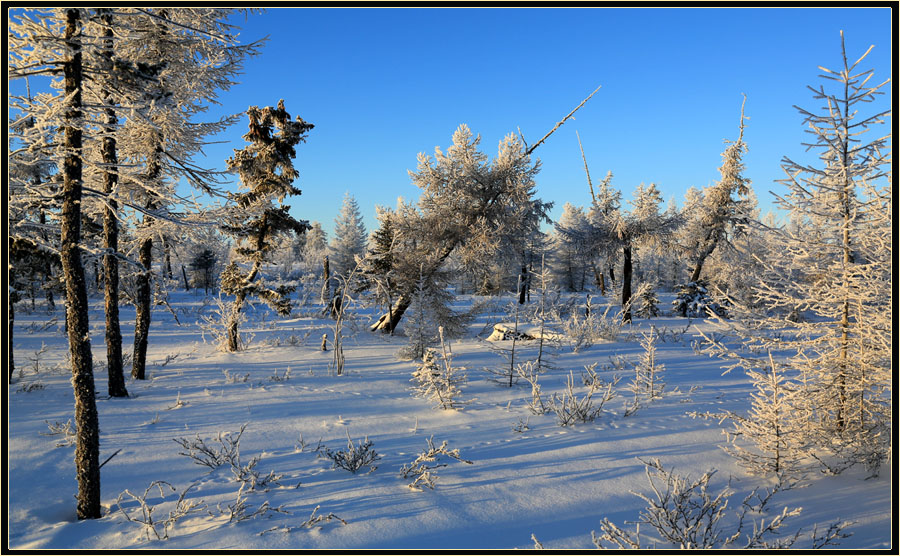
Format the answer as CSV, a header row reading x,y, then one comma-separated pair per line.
x,y
258,216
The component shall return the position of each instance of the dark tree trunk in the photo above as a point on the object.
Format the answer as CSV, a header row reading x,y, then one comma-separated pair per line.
x,y
11,299
87,447
116,386
626,283
142,307
523,284
389,321
187,286
167,257
599,280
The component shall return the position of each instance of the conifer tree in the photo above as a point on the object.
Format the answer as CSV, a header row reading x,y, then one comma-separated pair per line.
x,y
842,274
258,216
827,279
349,239
53,44
719,213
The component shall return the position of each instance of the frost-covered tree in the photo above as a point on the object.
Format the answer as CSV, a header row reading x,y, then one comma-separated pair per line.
x,y
52,43
721,208
185,57
471,206
258,216
572,248
828,278
349,240
844,272
644,225
437,379
378,266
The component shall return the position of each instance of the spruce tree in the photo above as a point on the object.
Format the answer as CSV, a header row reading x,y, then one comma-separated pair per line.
x,y
349,239
258,217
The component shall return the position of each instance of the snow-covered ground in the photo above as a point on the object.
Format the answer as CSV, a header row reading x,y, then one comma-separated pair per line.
x,y
529,475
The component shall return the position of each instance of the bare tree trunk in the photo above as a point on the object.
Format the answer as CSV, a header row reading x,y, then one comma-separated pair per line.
x,y
388,322
87,447
11,299
698,267
187,286
326,281
116,384
142,308
233,339
167,257
599,280
523,284
626,282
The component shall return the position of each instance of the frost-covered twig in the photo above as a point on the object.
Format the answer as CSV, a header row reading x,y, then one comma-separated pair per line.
x,y
160,529
571,409
423,466
355,457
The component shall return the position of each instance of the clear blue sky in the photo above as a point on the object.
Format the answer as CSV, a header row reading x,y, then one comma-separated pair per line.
x,y
384,84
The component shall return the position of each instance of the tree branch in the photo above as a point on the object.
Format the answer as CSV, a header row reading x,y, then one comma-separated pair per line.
x,y
561,122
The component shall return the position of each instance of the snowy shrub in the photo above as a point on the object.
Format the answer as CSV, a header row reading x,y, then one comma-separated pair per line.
x,y
313,521
212,456
530,372
647,383
160,529
216,325
769,438
693,300
353,458
570,409
64,430
240,510
648,302
437,379
686,515
424,465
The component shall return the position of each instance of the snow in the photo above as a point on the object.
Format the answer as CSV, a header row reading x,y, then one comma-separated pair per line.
x,y
554,482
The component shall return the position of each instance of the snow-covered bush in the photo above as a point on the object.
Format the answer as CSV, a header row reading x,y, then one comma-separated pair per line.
x,y
648,302
422,468
355,457
647,383
159,529
437,379
530,372
693,301
570,409
212,456
769,439
685,515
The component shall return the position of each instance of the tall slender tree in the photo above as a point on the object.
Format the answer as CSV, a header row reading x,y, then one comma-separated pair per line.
x,y
52,43
828,276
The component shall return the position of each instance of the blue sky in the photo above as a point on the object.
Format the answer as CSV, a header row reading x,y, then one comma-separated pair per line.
x,y
384,84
